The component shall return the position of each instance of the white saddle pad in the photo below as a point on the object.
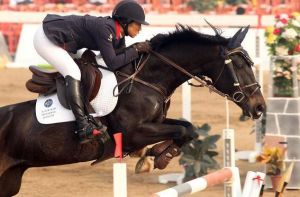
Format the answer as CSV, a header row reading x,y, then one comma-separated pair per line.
x,y
49,110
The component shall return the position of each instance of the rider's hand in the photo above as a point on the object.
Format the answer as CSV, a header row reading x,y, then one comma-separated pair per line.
x,y
142,47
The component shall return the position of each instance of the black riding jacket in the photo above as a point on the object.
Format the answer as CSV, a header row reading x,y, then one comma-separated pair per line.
x,y
95,33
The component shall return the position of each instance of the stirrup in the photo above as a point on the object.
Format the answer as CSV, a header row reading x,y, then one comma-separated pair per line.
x,y
90,132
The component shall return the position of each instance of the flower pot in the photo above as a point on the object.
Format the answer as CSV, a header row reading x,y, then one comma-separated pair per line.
x,y
275,180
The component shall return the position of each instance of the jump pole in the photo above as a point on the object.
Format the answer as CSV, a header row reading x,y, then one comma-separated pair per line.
x,y
198,184
232,187
186,102
119,170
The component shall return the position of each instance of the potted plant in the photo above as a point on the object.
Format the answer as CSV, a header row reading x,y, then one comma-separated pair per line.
x,y
283,42
198,155
273,157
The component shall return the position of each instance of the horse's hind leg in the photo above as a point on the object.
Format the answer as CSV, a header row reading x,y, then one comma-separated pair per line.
x,y
10,180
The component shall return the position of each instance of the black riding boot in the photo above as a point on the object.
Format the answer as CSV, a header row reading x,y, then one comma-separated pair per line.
x,y
88,128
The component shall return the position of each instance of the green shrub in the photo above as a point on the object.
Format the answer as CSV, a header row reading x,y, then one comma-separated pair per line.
x,y
198,155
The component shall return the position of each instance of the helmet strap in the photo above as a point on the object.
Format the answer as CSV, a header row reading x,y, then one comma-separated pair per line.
x,y
126,30
123,25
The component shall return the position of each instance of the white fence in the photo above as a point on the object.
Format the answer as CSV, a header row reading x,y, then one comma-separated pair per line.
x,y
26,54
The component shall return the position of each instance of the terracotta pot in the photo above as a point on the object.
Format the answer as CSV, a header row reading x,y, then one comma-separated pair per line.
x,y
275,179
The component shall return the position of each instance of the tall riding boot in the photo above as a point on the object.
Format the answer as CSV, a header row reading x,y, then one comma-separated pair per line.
x,y
87,129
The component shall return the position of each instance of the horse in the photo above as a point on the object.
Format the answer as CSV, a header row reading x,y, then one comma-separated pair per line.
x,y
216,62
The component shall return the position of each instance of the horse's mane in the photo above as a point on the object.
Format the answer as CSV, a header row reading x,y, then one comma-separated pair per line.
x,y
188,35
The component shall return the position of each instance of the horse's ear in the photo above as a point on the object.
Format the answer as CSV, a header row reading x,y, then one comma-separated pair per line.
x,y
243,34
238,38
232,42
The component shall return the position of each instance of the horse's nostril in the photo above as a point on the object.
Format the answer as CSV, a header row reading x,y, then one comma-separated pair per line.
x,y
259,109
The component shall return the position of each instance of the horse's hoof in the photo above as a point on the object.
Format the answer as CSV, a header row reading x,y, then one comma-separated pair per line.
x,y
139,153
144,164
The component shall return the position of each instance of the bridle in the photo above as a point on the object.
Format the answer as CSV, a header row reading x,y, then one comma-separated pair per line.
x,y
239,96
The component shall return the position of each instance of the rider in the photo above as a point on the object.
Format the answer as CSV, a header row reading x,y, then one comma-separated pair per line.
x,y
61,36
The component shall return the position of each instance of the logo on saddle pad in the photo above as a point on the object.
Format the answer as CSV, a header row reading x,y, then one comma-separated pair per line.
x,y
49,110
48,103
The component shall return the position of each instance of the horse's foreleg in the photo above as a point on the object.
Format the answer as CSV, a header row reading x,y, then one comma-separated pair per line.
x,y
151,133
188,133
170,130
10,180
179,131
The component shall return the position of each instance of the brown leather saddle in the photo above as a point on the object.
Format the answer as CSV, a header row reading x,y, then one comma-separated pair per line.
x,y
50,81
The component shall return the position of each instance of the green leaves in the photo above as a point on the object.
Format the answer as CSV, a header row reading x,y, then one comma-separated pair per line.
x,y
197,157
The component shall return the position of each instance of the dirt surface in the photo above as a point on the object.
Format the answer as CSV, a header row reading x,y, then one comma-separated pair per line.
x,y
82,180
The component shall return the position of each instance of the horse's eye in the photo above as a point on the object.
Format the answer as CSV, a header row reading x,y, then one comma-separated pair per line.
x,y
249,61
238,62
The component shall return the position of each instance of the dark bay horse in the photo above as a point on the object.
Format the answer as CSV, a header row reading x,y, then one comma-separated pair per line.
x,y
141,114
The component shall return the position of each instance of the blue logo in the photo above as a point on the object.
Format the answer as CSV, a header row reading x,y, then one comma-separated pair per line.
x,y
48,103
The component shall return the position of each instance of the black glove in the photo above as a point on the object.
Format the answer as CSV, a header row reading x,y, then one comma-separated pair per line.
x,y
142,47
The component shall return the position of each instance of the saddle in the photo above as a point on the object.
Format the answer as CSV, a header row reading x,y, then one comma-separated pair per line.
x,y
51,81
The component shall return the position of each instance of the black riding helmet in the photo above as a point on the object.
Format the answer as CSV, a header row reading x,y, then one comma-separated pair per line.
x,y
127,11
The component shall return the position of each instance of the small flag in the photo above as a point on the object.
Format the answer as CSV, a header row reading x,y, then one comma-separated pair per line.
x,y
118,148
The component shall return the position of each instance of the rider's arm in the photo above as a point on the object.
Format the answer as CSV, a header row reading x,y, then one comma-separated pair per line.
x,y
113,60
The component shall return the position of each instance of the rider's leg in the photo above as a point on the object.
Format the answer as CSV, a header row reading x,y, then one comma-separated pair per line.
x,y
63,62
86,130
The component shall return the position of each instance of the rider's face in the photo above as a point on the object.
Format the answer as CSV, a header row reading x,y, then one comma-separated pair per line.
x,y
133,29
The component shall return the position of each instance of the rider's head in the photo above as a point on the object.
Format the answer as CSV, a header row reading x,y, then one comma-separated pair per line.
x,y
130,15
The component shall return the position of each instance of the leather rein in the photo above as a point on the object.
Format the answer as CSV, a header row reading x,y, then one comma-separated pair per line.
x,y
238,96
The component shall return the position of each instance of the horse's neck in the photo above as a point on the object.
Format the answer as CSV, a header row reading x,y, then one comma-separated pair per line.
x,y
161,74
165,75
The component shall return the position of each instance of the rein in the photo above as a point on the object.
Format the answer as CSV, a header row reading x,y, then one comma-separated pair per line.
x,y
238,96
203,83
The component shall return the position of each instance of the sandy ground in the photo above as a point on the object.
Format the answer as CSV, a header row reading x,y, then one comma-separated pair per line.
x,y
82,180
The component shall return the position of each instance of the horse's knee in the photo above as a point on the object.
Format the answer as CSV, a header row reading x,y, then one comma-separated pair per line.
x,y
181,132
187,124
190,131
185,134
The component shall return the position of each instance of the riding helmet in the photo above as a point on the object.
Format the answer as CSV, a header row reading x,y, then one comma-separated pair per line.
x,y
129,10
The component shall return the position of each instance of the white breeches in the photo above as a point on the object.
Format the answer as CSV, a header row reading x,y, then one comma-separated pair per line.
x,y
59,58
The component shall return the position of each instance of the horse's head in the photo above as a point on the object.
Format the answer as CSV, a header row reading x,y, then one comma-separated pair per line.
x,y
236,77
221,59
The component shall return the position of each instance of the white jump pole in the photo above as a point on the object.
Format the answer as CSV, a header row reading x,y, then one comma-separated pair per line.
x,y
186,102
119,170
120,179
232,188
198,184
253,184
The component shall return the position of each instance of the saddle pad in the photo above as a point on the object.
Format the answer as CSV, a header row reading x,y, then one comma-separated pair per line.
x,y
49,110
